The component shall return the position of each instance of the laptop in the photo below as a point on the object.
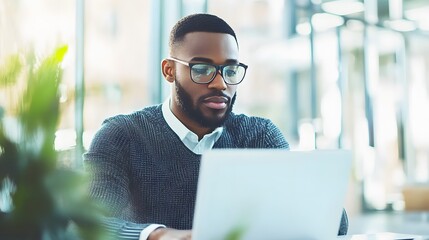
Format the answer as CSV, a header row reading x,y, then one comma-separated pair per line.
x,y
270,194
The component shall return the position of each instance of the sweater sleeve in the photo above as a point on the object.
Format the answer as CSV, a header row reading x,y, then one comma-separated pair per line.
x,y
119,229
344,224
273,137
107,165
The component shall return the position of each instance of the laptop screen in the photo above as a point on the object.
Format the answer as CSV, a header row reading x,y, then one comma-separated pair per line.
x,y
271,194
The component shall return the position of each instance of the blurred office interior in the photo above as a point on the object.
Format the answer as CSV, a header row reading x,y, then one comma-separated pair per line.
x,y
330,73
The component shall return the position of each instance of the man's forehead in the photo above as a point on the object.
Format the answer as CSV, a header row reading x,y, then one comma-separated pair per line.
x,y
207,43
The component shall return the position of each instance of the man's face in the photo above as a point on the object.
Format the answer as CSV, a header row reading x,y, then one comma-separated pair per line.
x,y
203,105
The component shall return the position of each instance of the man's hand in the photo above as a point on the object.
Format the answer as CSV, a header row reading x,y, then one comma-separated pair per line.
x,y
170,234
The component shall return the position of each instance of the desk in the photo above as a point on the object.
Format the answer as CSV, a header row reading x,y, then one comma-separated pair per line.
x,y
414,223
382,236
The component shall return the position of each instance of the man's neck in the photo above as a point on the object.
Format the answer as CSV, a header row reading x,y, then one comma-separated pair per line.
x,y
195,127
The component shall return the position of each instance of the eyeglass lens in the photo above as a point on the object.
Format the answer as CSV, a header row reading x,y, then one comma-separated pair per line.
x,y
204,73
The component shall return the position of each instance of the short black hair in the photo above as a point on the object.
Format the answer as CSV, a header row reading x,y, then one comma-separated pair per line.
x,y
199,22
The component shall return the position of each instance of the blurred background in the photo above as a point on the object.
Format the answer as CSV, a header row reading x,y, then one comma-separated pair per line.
x,y
330,73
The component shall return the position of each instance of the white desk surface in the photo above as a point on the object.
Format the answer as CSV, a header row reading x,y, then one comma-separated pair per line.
x,y
383,236
411,223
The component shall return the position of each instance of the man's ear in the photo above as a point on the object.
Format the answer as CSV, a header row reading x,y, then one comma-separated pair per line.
x,y
168,70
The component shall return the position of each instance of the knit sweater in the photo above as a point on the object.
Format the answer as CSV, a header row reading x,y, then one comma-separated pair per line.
x,y
143,172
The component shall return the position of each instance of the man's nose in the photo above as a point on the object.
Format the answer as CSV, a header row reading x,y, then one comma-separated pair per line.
x,y
218,82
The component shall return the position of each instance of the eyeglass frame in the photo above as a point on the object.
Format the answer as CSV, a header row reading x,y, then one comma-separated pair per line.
x,y
217,67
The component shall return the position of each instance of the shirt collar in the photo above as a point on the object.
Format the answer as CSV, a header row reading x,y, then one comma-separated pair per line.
x,y
178,126
173,122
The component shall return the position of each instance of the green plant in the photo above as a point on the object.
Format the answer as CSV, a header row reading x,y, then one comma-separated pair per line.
x,y
47,201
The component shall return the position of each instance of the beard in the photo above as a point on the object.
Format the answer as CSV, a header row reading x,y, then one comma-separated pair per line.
x,y
195,114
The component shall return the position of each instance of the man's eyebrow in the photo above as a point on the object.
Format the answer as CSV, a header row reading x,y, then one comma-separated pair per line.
x,y
208,60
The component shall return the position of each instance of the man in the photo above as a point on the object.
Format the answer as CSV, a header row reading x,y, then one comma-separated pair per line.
x,y
145,165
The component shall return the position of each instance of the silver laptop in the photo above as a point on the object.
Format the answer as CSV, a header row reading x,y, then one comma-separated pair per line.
x,y
270,194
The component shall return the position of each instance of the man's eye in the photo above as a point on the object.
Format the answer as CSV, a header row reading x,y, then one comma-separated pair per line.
x,y
202,69
231,72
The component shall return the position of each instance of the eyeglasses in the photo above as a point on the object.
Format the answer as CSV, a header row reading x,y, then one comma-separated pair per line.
x,y
204,73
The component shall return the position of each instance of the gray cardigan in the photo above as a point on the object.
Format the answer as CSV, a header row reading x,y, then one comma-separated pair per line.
x,y
143,172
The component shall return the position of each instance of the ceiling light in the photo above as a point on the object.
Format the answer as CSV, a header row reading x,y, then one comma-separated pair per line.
x,y
401,25
420,16
343,7
325,21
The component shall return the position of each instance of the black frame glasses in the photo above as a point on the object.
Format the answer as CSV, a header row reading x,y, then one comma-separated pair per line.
x,y
205,73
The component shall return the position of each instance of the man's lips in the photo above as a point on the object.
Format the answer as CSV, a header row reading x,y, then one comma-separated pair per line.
x,y
216,102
